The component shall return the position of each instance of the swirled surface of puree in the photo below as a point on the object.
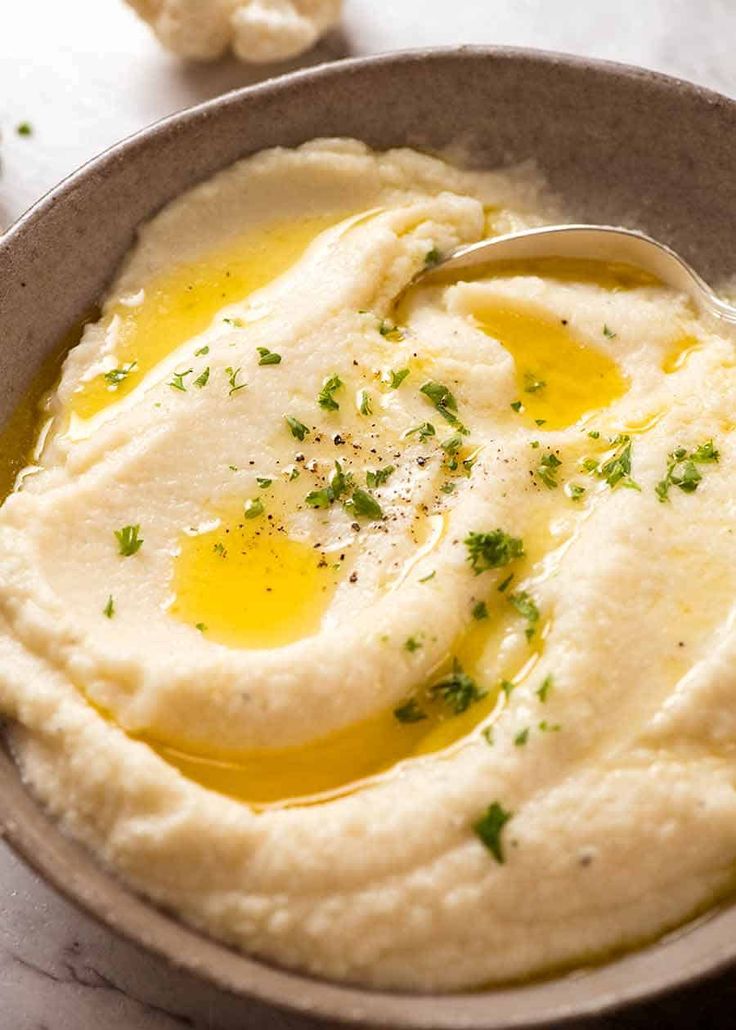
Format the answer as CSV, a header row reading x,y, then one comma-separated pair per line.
x,y
395,645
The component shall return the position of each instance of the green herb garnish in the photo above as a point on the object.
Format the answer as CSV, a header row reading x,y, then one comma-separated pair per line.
x,y
411,644
177,381
683,471
118,375
409,712
492,550
363,401
389,330
480,610
397,378
544,689
526,607
444,402
609,333
325,397
521,737
24,129
129,540
380,476
424,431
232,378
532,383
547,470
458,690
253,508
109,609
268,357
298,429
364,504
489,827
616,471
202,378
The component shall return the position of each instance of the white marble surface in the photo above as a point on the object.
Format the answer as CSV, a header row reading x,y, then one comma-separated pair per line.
x,y
86,73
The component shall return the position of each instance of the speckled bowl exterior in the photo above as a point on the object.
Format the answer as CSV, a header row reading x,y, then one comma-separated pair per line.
x,y
619,145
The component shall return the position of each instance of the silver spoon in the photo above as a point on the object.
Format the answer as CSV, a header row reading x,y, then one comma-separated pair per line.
x,y
594,242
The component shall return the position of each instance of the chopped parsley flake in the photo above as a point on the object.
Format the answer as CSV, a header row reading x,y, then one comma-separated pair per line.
x,y
298,429
504,583
409,712
574,491
363,402
594,434
325,397
431,575
424,430
489,828
232,378
237,322
320,498
129,540
492,550
609,333
200,626
616,471
24,129
177,381
444,402
532,384
448,488
411,645
268,357
115,376
365,504
508,687
683,471
432,258
201,352
516,406
526,607
547,470
380,476
263,482
480,610
487,734
521,737
203,378
219,548
397,378
109,609
549,727
544,689
389,330
458,690
253,508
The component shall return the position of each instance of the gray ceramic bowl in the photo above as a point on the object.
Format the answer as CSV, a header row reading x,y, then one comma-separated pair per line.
x,y
621,145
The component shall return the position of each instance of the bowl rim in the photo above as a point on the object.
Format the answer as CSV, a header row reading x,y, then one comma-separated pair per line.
x,y
634,977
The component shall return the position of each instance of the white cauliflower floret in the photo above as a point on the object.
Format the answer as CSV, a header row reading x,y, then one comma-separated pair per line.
x,y
257,30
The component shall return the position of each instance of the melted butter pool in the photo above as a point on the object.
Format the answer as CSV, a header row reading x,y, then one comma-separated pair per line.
x,y
247,584
178,305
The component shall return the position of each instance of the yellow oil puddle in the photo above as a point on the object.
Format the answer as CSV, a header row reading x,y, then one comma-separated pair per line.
x,y
560,377
22,435
247,584
276,591
680,351
180,304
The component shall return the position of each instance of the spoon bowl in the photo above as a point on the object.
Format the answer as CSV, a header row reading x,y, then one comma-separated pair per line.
x,y
592,242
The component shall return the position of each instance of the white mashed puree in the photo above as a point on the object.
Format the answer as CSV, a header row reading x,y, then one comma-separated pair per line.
x,y
460,575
